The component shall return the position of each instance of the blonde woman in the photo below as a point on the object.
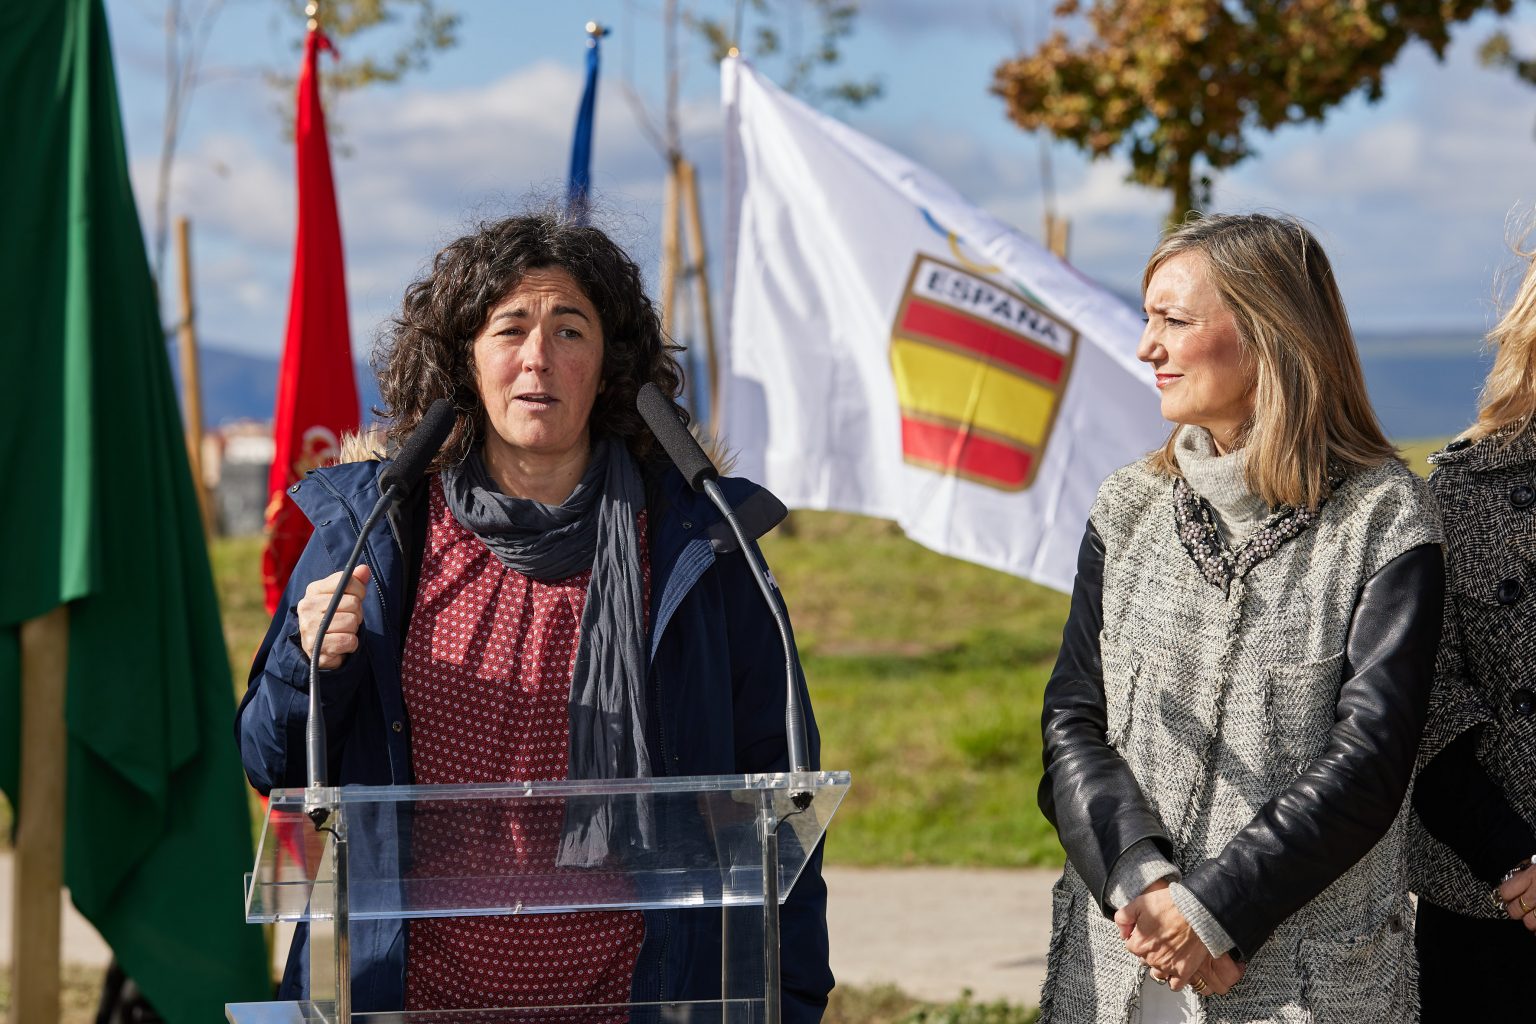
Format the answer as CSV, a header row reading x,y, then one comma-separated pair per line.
x,y
1476,794
1230,729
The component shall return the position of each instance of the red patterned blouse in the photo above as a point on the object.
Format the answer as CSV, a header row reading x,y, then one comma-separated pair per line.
x,y
487,679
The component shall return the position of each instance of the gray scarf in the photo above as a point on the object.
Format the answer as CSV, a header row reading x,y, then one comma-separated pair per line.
x,y
594,527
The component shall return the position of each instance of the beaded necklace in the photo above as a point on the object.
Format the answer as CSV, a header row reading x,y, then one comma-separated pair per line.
x,y
1195,522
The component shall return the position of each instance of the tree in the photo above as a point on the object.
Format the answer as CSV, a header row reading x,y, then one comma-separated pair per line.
x,y
187,27
1180,85
420,29
777,32
189,24
1499,52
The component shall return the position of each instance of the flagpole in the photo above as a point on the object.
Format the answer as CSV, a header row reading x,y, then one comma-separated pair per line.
x,y
38,866
191,377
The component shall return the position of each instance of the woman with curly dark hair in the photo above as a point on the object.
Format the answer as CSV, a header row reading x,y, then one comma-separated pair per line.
x,y
549,603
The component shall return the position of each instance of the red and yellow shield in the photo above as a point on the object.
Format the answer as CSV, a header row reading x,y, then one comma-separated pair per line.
x,y
980,371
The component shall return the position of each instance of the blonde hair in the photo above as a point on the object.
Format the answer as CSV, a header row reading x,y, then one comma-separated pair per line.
x,y
1311,415
366,445
1509,394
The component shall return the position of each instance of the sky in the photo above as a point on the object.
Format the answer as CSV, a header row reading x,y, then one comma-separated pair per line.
x,y
1417,198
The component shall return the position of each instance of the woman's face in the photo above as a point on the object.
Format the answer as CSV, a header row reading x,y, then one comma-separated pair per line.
x,y
1192,343
538,368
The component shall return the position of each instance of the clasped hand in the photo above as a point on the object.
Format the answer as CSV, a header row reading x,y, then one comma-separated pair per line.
x,y
1156,932
1519,897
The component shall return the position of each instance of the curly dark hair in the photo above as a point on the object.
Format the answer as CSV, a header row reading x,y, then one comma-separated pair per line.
x,y
427,352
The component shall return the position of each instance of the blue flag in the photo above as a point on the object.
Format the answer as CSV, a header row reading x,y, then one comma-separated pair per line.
x,y
580,182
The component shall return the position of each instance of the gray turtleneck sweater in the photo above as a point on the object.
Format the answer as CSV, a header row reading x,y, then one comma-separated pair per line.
x,y
1221,481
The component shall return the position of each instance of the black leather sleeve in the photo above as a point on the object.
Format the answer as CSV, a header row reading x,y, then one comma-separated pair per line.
x,y
1345,800
1463,807
1088,792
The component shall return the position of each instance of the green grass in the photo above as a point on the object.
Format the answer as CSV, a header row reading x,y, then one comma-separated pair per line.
x,y
79,993
926,674
237,578
886,1004
1416,453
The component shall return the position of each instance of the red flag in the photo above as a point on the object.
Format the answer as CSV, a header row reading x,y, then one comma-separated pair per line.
x,y
316,389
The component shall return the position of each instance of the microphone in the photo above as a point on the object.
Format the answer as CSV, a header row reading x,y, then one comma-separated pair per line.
x,y
686,454
674,437
418,451
395,482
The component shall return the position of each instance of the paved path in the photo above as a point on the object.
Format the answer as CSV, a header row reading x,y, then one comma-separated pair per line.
x,y
929,931
82,945
935,931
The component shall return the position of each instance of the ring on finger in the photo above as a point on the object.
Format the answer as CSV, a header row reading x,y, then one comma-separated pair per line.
x,y
1524,909
1198,984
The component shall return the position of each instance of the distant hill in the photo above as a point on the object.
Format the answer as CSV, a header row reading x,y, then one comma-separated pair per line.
x,y
239,386
1423,385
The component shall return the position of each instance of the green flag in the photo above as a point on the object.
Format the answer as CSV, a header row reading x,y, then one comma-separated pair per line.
x,y
98,512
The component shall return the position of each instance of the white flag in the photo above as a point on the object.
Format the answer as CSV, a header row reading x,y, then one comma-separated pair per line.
x,y
897,352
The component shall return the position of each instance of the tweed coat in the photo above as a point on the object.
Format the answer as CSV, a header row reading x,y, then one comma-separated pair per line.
x,y
1217,698
1486,675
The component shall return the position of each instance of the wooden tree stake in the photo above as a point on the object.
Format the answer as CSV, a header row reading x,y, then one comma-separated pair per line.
x,y
191,380
38,875
670,251
698,260
1058,235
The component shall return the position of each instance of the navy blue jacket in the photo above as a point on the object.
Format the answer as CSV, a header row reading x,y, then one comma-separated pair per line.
x,y
716,708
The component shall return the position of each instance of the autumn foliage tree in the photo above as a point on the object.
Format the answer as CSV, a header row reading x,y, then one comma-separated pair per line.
x,y
1180,86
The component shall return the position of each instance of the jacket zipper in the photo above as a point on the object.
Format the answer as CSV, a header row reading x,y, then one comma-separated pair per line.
x,y
665,916
370,558
357,531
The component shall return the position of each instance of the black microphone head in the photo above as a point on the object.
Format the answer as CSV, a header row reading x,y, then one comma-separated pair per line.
x,y
674,437
418,451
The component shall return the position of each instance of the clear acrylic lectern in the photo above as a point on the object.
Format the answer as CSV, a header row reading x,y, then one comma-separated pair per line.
x,y
731,846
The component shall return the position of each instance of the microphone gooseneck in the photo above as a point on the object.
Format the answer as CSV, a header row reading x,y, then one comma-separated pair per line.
x,y
395,481
685,452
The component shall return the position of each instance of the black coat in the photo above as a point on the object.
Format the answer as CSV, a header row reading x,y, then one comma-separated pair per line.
x,y
1476,795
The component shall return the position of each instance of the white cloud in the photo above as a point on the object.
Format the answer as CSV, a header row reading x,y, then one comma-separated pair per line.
x,y
418,168
1101,191
915,17
1411,198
